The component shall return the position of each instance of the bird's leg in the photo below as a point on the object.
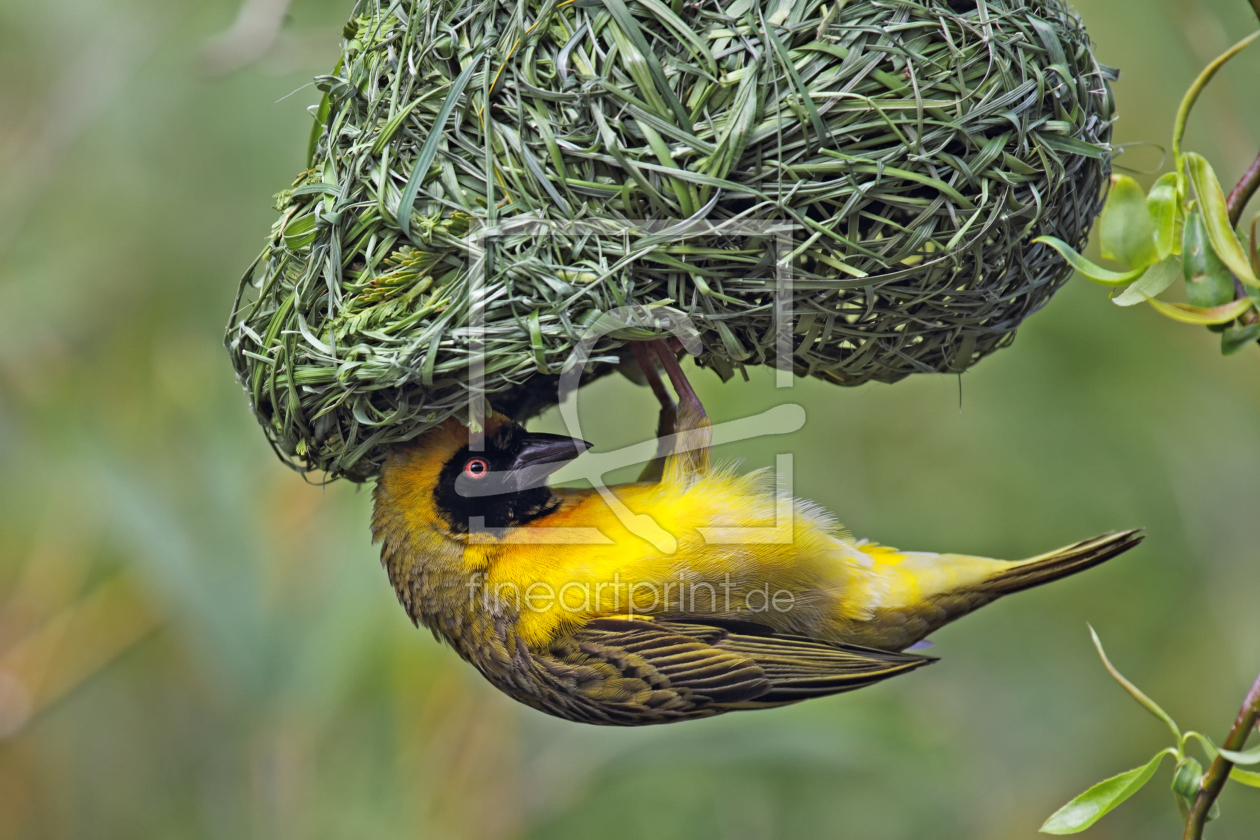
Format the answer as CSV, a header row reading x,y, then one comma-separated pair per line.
x,y
694,432
689,404
647,362
668,417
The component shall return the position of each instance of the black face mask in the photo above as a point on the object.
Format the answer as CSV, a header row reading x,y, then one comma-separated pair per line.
x,y
505,484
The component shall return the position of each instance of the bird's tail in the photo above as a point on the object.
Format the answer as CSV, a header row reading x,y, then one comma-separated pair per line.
x,y
1060,563
919,593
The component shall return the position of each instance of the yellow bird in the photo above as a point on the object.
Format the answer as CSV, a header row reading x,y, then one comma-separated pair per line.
x,y
558,598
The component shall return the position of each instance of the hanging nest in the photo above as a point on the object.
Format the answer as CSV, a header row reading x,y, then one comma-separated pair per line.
x,y
910,148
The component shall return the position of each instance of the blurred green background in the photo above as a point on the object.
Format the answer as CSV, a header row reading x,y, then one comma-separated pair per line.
x,y
196,644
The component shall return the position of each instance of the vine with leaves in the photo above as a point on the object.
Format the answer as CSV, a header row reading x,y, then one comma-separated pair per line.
x,y
1184,228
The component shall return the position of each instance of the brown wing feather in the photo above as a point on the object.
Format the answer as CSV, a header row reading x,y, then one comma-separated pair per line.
x,y
628,672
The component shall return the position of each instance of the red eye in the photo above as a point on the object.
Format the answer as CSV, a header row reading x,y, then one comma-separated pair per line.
x,y
477,468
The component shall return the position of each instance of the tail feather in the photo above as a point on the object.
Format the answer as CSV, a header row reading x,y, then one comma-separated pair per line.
x,y
1061,563
937,589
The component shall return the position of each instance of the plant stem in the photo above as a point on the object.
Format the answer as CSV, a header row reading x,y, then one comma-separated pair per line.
x,y
1216,776
1240,195
1237,203
1245,189
1218,773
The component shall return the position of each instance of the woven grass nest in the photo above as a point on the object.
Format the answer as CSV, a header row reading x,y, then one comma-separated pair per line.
x,y
912,149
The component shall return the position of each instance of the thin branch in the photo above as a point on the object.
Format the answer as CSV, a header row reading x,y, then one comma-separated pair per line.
x,y
1237,203
1218,773
1244,190
1216,776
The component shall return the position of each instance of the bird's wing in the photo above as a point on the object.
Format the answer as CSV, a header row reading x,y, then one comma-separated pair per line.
x,y
628,672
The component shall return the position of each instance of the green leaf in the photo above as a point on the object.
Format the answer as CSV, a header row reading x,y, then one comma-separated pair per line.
x,y
391,127
1251,756
317,130
1072,146
1246,777
1137,694
1205,742
1163,207
1155,281
626,23
429,150
1253,247
1202,317
300,232
820,128
1236,338
1208,281
1093,804
1125,229
1216,217
1088,269
1186,778
1192,95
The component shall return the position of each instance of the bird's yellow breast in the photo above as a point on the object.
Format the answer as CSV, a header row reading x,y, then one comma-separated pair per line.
x,y
735,556
734,550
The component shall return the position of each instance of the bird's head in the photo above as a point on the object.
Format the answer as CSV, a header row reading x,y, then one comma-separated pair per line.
x,y
456,482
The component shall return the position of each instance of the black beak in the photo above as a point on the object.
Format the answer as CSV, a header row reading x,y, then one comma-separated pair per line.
x,y
540,456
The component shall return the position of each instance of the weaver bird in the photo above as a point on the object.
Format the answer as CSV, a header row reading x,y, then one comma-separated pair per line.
x,y
553,597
